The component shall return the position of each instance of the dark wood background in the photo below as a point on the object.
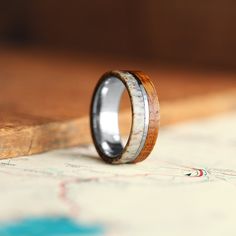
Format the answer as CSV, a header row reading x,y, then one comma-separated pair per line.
x,y
53,52
199,33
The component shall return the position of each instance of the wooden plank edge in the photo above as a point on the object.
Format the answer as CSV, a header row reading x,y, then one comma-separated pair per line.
x,y
36,139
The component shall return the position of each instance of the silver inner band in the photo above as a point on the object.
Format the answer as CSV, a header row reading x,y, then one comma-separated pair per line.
x,y
105,109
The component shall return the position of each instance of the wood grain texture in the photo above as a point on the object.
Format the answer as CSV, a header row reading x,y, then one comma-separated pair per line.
x,y
45,97
154,115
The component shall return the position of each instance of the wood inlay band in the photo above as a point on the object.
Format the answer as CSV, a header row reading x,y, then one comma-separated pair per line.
x,y
145,117
154,115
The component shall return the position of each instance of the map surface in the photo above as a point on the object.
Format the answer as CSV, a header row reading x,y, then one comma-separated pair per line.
x,y
186,187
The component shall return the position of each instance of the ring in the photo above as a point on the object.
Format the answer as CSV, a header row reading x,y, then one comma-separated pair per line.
x,y
104,116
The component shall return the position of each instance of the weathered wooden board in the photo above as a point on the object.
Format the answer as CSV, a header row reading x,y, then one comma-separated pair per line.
x,y
45,98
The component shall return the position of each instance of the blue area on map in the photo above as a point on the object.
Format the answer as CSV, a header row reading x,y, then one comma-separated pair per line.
x,y
49,226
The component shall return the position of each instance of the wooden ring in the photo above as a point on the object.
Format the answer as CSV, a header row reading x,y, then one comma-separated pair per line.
x,y
104,116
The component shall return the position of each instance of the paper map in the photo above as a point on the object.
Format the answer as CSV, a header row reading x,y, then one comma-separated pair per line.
x,y
186,187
